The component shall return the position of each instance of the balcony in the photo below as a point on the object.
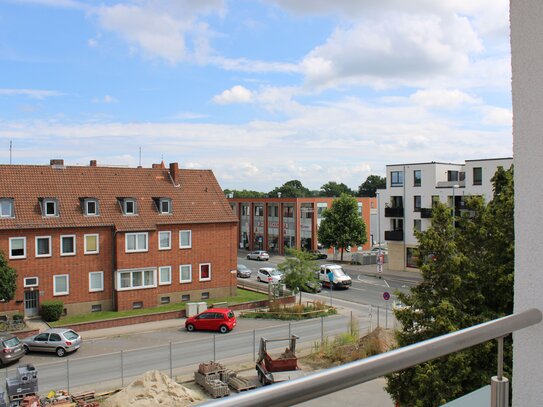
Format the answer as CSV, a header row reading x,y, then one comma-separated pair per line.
x,y
425,213
393,212
394,235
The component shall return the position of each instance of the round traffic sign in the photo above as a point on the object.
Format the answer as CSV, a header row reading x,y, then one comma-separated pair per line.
x,y
386,295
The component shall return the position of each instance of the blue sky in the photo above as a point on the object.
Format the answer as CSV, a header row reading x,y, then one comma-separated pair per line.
x,y
261,92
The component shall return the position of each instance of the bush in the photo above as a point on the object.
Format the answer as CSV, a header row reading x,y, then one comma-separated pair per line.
x,y
18,317
51,310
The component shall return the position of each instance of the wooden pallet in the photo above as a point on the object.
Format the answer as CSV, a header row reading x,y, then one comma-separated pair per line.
x,y
240,384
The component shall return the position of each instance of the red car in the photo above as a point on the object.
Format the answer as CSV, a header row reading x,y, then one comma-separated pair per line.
x,y
213,319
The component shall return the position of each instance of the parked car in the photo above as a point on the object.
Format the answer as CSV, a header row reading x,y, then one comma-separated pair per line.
x,y
243,271
258,255
58,340
339,278
269,274
11,349
317,254
213,319
312,287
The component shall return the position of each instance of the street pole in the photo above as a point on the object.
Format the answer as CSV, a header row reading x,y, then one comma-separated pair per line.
x,y
379,265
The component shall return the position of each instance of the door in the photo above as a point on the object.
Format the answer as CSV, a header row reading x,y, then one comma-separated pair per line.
x,y
31,303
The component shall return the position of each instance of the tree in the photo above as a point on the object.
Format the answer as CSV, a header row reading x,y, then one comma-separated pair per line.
x,y
298,269
8,279
291,189
467,279
245,193
341,225
333,189
371,185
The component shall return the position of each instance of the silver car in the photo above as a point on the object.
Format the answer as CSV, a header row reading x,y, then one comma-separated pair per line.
x,y
243,271
258,255
11,349
58,340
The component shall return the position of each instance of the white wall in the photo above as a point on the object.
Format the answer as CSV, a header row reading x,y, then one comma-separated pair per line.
x,y
527,60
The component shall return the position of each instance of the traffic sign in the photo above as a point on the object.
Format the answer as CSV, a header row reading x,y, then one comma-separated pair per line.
x,y
386,295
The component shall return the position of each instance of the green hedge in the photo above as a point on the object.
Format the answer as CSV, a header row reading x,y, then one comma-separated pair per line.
x,y
51,310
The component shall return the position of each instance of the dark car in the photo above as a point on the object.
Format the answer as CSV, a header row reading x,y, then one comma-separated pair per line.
x,y
243,271
317,254
11,349
312,287
57,340
213,319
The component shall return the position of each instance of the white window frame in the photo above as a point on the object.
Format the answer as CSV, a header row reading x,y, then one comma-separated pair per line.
x,y
61,247
181,275
200,272
160,282
10,203
55,292
134,212
169,240
24,246
48,201
190,239
165,200
95,202
101,273
136,250
131,272
86,251
26,285
50,248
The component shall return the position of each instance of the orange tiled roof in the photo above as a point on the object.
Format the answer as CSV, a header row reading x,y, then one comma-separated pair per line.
x,y
198,199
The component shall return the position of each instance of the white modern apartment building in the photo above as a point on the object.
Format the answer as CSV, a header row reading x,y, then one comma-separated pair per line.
x,y
412,189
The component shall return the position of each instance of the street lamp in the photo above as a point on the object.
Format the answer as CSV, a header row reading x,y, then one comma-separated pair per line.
x,y
379,265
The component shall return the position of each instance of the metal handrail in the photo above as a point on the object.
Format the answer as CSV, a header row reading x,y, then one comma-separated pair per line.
x,y
351,374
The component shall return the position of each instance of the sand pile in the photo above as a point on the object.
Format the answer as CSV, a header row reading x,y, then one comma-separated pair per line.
x,y
153,389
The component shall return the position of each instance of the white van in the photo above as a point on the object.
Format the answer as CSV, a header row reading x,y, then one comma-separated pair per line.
x,y
339,280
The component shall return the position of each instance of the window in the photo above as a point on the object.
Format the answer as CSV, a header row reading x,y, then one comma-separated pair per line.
x,y
96,308
61,284
164,240
452,175
31,282
273,211
245,210
259,211
96,281
50,207
164,205
417,203
359,209
412,258
164,300
92,244
205,295
435,200
6,208
67,245
43,246
17,247
321,206
128,206
417,225
396,178
185,297
288,211
136,279
136,242
185,273
205,272
477,176
185,239
165,275
417,178
91,207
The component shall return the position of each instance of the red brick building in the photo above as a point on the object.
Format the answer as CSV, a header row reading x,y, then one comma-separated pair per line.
x,y
115,238
259,220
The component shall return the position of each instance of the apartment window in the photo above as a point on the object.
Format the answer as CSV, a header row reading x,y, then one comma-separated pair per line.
x,y
288,211
96,281
136,242
396,178
31,282
165,275
435,200
67,245
61,284
50,207
417,178
164,240
245,210
17,247
477,176
273,211
6,208
128,205
92,244
259,211
396,201
185,273
185,297
185,239
452,175
205,272
417,203
396,224
412,257
205,295
164,300
165,205
91,207
43,246
359,209
136,279
96,308
321,207
417,225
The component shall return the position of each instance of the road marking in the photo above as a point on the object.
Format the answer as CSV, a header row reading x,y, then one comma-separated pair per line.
x,y
386,283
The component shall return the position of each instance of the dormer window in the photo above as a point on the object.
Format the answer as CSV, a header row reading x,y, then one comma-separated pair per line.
x,y
6,208
90,206
128,206
49,207
164,205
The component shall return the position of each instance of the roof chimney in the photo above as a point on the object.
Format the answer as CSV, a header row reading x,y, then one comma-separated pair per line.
x,y
57,161
93,163
174,173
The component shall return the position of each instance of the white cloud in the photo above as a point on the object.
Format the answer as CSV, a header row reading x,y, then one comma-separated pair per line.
x,y
31,93
107,99
497,116
443,98
91,42
236,94
189,116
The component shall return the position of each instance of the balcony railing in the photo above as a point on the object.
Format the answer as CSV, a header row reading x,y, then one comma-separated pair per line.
x,y
394,212
394,235
338,378
425,213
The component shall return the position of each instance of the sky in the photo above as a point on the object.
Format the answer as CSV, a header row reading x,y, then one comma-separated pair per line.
x,y
259,91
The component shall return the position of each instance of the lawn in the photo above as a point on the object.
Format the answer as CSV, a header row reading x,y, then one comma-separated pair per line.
x,y
243,296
